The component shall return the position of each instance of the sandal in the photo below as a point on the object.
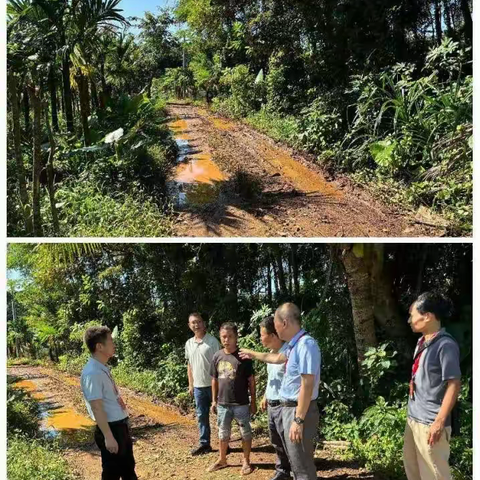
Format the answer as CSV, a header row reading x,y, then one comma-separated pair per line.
x,y
246,470
216,466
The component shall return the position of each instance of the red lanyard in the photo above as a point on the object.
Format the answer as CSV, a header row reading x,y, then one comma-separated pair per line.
x,y
113,383
421,346
291,347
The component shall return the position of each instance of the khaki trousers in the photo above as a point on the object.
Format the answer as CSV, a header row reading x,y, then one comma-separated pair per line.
x,y
421,461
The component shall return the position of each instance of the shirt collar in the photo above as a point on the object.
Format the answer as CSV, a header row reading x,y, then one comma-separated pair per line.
x,y
202,340
98,364
294,340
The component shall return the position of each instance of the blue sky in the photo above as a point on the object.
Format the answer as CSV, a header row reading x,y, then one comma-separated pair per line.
x,y
137,8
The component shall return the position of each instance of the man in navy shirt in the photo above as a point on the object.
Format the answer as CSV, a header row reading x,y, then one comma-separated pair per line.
x,y
299,389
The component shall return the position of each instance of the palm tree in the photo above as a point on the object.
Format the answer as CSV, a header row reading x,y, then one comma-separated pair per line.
x,y
88,17
22,184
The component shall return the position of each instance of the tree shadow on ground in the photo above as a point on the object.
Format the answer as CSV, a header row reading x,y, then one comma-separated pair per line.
x,y
209,203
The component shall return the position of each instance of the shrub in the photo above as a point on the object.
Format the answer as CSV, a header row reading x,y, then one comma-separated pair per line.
x,y
22,411
240,93
88,211
27,459
319,127
276,126
179,82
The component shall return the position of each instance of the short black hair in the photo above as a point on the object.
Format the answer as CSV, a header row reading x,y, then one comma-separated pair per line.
x,y
268,324
289,312
95,335
433,302
229,326
197,315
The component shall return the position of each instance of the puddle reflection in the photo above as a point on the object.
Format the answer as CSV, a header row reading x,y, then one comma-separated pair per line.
x,y
196,176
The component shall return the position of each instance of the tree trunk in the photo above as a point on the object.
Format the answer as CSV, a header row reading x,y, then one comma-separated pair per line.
x,y
467,22
281,274
296,284
93,88
359,286
53,98
82,83
269,284
290,278
386,312
67,94
26,112
438,21
62,101
50,175
37,158
448,18
421,268
328,277
22,183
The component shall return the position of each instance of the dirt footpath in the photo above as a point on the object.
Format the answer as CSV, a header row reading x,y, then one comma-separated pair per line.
x,y
163,437
279,193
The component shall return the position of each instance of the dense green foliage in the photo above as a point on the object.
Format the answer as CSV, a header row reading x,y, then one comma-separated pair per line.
x,y
28,455
27,459
382,90
22,411
145,293
88,148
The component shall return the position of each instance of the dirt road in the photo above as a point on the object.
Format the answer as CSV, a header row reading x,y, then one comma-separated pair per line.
x,y
234,181
163,436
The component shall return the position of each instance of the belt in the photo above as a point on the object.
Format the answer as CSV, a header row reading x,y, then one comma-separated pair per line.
x,y
274,403
119,422
292,403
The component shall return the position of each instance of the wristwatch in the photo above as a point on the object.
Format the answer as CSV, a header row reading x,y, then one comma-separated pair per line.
x,y
299,421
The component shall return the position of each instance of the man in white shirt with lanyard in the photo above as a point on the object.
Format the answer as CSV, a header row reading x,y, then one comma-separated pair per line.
x,y
199,351
106,407
299,389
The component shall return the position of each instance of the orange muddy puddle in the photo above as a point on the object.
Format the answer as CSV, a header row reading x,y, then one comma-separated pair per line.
x,y
31,388
196,176
222,124
59,421
304,179
163,415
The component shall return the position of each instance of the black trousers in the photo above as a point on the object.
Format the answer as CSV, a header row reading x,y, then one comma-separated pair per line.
x,y
121,465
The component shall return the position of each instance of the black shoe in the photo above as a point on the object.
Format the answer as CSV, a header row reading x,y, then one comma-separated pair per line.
x,y
200,450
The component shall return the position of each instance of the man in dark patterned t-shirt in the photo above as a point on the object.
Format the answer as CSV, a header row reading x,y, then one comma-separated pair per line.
x,y
232,379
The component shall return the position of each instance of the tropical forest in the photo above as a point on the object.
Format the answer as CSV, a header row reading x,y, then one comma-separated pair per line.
x,y
247,118
355,301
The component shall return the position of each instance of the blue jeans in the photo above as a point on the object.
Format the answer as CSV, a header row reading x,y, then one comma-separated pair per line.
x,y
203,400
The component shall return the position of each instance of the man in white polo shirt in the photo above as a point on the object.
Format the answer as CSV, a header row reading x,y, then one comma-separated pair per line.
x,y
107,408
199,351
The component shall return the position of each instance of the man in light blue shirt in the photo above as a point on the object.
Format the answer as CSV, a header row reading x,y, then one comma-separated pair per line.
x,y
271,399
299,389
106,407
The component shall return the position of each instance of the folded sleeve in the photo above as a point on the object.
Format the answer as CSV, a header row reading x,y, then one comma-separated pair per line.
x,y
449,355
213,367
309,358
93,386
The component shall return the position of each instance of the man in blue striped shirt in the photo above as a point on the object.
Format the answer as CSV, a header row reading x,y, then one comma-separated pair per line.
x,y
299,389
